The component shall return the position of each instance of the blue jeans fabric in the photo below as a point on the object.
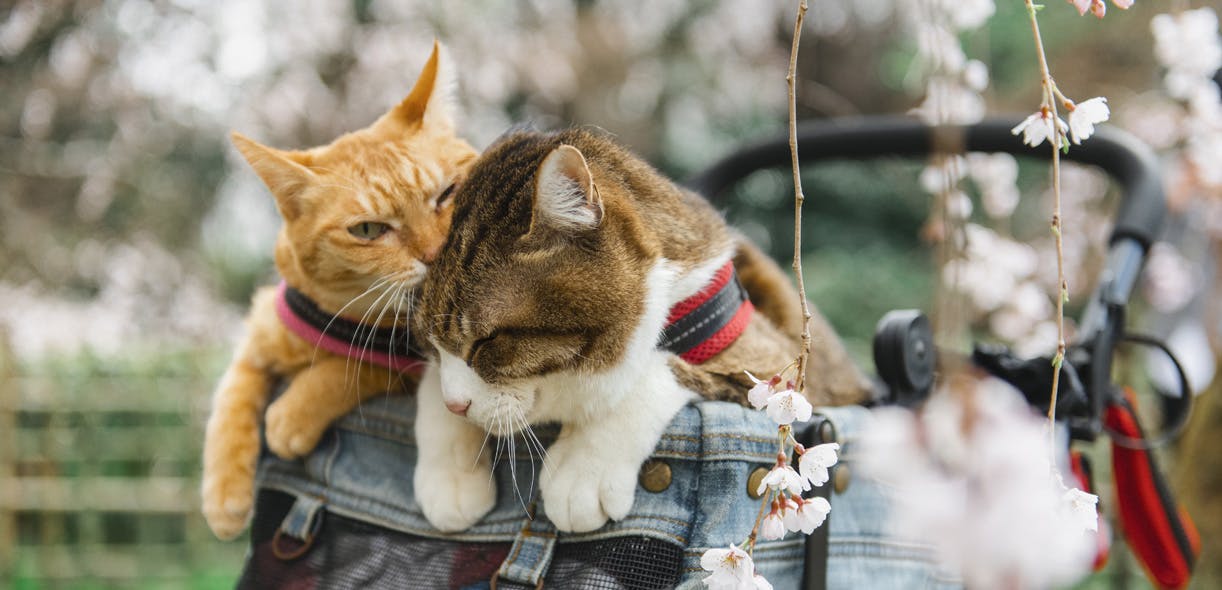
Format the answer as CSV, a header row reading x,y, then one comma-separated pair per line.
x,y
362,470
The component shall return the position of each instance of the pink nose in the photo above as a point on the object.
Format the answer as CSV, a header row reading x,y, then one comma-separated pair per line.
x,y
459,408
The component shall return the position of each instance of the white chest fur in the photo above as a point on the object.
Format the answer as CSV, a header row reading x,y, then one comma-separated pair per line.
x,y
611,422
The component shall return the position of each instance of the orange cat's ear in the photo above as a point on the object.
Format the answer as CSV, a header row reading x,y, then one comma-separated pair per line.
x,y
431,100
566,197
283,172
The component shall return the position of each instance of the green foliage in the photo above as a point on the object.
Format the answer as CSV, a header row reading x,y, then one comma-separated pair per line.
x,y
132,363
862,252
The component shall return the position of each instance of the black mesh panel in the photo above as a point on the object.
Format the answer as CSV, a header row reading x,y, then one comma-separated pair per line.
x,y
636,563
350,554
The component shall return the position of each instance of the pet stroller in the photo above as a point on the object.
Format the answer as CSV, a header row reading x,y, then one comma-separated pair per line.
x,y
345,516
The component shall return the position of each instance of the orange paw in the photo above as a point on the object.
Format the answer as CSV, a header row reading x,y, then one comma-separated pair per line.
x,y
227,502
293,430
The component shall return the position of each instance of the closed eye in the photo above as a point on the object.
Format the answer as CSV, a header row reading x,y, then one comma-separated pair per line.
x,y
368,230
446,196
478,344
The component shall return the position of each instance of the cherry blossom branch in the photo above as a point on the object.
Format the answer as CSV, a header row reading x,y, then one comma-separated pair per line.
x,y
1058,140
785,404
798,198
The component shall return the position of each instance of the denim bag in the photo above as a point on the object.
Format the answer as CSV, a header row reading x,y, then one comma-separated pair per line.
x,y
346,516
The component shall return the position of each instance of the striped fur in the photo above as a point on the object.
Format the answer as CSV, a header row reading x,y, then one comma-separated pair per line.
x,y
541,315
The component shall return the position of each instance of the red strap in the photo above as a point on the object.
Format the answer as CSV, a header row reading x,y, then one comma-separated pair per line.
x,y
1160,533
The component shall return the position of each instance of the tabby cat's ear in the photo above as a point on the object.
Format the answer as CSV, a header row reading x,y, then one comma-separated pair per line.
x,y
284,173
565,195
431,101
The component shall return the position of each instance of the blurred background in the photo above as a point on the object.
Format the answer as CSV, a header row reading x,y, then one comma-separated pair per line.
x,y
132,234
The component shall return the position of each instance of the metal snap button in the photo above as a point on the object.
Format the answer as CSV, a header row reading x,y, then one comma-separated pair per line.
x,y
826,432
655,475
754,480
841,478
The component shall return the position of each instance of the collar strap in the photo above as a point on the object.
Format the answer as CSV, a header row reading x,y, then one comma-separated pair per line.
x,y
386,347
708,322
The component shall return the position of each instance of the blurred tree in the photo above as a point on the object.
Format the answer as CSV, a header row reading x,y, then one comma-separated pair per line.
x,y
115,163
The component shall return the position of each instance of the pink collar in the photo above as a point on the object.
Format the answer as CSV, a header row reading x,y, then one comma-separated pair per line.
x,y
384,347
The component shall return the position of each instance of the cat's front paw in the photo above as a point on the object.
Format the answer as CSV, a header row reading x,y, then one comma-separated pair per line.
x,y
583,489
453,498
292,430
227,502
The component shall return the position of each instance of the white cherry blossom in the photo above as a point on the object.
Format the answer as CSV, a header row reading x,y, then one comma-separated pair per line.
x,y
759,393
985,498
773,526
1098,7
1085,115
789,512
1039,127
1170,279
732,569
783,477
976,75
1081,507
814,462
1187,44
789,406
806,514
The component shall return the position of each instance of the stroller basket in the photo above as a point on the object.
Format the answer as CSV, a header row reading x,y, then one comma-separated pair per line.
x,y
345,516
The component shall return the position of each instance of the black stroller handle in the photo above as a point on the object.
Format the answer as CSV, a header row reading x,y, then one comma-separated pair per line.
x,y
1127,160
1124,158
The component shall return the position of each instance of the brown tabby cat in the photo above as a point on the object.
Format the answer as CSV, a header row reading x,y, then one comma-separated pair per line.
x,y
566,256
363,217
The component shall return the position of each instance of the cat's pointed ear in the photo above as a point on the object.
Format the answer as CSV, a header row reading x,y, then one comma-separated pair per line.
x,y
431,101
284,173
566,197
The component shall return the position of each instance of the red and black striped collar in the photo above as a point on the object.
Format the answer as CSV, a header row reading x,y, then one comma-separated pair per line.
x,y
708,322
385,347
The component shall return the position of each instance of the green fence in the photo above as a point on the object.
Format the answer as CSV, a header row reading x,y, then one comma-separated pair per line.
x,y
99,479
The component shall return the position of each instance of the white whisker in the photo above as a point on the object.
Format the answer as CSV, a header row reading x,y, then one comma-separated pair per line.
x,y
487,435
376,284
527,438
386,286
538,444
513,469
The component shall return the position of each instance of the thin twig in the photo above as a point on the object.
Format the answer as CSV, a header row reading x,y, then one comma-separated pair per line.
x,y
765,500
783,432
798,198
1050,104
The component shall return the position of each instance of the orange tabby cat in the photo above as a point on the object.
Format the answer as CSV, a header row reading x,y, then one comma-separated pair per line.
x,y
363,217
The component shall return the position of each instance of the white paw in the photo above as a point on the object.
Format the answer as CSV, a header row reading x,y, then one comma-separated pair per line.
x,y
582,491
452,498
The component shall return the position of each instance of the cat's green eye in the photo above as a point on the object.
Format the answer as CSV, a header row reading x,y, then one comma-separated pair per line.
x,y
368,230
